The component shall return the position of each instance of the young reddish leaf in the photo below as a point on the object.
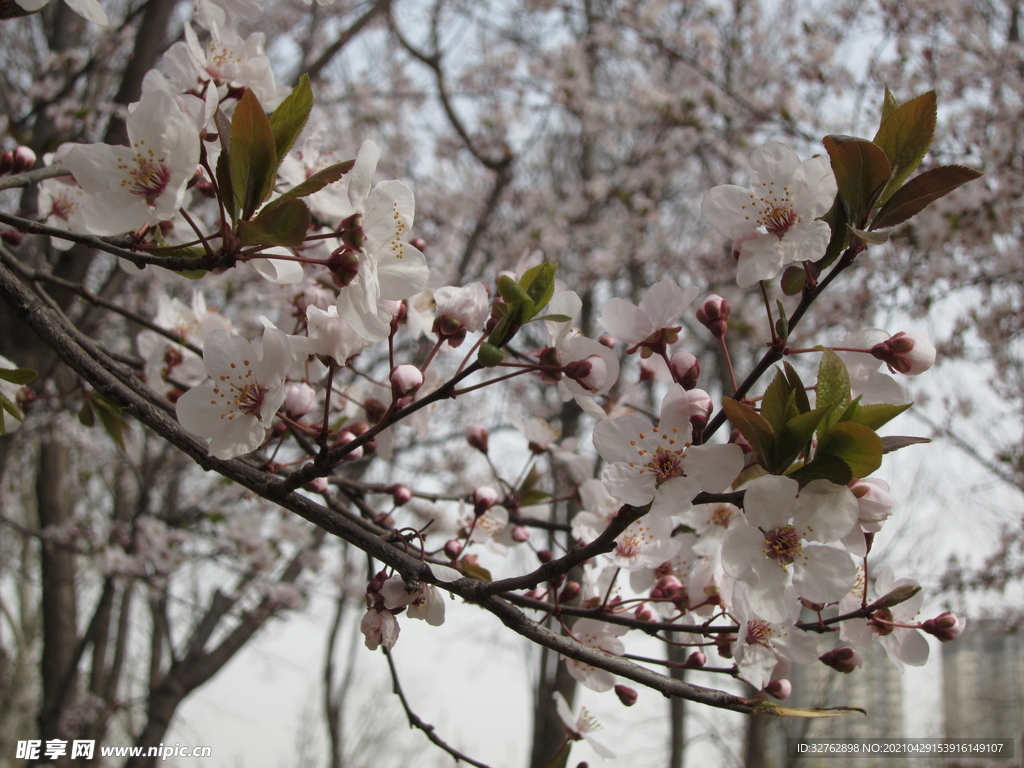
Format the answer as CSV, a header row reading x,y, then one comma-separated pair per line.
x,y
290,117
284,224
894,442
253,160
753,426
317,181
862,171
905,136
921,191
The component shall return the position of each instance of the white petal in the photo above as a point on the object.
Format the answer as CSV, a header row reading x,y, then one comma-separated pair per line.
x,y
770,501
626,483
826,574
443,573
732,210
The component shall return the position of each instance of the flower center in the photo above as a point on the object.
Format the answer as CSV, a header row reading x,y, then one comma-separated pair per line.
x,y
149,176
782,544
779,219
722,515
760,633
668,464
250,399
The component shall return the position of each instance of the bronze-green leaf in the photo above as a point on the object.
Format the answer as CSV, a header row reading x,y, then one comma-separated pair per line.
x,y
877,414
921,191
19,376
253,160
290,117
894,442
833,385
284,224
753,427
317,181
905,136
794,280
862,171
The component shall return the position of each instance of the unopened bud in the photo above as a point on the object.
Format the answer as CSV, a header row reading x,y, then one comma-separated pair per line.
x,y
945,626
400,494
484,498
591,372
780,689
695,660
544,555
344,266
570,591
909,353
606,340
317,485
477,436
842,659
685,369
406,379
520,534
300,400
418,243
741,441
723,643
644,613
714,315
626,695
24,158
453,548
700,406
12,237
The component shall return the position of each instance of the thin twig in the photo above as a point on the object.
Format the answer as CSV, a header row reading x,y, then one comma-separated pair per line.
x,y
416,722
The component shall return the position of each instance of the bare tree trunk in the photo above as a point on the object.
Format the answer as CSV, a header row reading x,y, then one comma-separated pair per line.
x,y
59,600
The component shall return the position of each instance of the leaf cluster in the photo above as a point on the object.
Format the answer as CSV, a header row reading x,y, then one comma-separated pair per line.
x,y
521,302
836,440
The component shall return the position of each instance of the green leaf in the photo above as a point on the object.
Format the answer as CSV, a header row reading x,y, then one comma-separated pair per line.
x,y
474,571
19,376
512,292
753,427
775,401
224,189
86,415
830,468
892,443
921,191
552,318
781,323
796,435
794,280
838,218
490,355
877,415
889,105
7,405
253,160
110,417
872,238
539,284
905,136
897,596
290,117
803,405
284,224
862,170
855,444
317,181
833,385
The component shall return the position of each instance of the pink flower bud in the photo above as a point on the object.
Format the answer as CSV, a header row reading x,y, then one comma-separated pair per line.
x,y
685,369
484,498
945,626
626,695
644,613
6,162
780,689
418,243
406,379
606,340
544,555
520,534
591,372
695,660
23,159
842,659
476,436
714,315
400,494
723,643
453,548
909,353
300,400
317,485
700,407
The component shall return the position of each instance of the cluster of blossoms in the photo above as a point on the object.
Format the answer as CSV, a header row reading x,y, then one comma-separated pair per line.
x,y
759,531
